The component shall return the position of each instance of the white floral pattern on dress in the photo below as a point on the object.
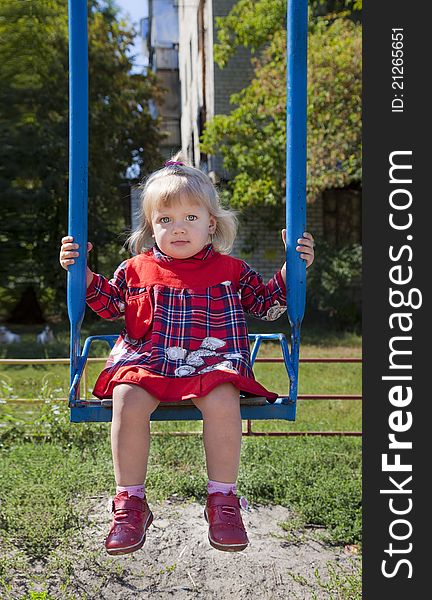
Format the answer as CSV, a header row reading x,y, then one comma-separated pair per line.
x,y
204,352
176,353
274,312
184,371
195,359
225,365
212,343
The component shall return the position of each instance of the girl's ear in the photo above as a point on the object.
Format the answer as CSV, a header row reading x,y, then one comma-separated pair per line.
x,y
212,224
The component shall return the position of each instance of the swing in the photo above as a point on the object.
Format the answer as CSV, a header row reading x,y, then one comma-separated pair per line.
x,y
284,407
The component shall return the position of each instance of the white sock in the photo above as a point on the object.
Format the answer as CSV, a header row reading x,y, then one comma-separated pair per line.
x,y
132,490
218,486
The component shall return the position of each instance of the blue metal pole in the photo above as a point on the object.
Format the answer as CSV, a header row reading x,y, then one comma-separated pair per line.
x,y
78,170
296,155
297,26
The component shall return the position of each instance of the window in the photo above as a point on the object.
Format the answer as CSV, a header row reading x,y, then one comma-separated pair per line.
x,y
342,216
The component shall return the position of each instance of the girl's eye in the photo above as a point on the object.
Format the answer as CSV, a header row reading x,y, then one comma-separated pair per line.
x,y
164,219
191,218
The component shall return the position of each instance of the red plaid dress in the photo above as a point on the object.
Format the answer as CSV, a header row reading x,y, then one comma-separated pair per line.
x,y
185,330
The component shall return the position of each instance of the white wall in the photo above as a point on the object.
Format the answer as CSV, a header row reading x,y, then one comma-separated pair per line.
x,y
192,64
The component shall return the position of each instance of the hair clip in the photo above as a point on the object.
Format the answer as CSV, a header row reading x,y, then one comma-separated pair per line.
x,y
169,163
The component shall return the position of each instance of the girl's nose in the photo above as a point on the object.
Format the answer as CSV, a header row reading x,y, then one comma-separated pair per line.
x,y
179,227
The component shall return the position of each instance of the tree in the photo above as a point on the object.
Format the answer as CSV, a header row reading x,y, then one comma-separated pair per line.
x,y
34,137
253,24
252,138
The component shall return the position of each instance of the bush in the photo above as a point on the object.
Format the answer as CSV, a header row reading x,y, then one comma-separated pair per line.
x,y
333,285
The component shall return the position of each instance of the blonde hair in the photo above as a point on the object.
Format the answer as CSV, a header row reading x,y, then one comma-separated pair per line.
x,y
170,184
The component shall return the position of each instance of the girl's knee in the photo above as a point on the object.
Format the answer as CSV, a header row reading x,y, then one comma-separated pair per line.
x,y
133,399
224,399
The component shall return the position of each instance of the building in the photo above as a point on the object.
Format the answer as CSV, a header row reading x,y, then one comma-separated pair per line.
x,y
205,88
159,31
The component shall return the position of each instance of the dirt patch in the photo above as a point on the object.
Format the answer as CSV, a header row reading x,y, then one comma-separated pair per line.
x,y
177,560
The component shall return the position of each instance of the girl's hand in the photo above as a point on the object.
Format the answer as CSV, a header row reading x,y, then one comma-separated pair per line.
x,y
68,251
306,247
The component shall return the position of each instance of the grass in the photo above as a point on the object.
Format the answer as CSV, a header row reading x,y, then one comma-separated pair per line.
x,y
50,467
338,583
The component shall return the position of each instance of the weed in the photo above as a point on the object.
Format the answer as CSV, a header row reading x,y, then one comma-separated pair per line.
x,y
341,582
168,569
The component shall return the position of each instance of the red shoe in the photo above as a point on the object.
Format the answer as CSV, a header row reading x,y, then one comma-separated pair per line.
x,y
226,529
132,518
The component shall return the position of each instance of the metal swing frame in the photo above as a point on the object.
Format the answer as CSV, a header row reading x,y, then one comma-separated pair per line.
x,y
251,408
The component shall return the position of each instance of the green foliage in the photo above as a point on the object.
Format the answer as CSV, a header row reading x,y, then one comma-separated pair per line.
x,y
331,283
248,24
253,24
34,136
252,138
7,298
52,426
340,582
46,481
334,106
321,481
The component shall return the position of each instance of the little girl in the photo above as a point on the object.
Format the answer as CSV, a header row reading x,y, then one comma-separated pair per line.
x,y
183,299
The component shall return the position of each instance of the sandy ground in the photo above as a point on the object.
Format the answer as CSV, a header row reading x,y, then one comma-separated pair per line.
x,y
178,562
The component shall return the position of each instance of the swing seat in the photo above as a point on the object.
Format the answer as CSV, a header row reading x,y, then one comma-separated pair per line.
x,y
251,401
251,408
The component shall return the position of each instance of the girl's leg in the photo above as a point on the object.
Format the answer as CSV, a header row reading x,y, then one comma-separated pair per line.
x,y
222,441
130,433
222,432
130,442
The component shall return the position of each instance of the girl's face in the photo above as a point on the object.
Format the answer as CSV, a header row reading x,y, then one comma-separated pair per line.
x,y
183,229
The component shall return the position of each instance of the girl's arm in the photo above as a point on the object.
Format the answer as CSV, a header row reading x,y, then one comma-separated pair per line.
x,y
268,301
106,298
264,301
